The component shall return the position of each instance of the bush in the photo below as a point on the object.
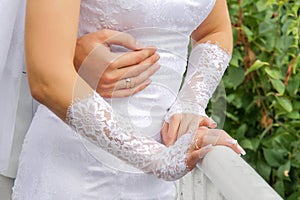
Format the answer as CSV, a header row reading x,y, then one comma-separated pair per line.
x,y
262,85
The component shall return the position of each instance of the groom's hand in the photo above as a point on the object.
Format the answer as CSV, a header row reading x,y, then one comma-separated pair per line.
x,y
114,74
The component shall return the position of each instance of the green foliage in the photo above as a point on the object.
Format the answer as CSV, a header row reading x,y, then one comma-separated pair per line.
x,y
262,84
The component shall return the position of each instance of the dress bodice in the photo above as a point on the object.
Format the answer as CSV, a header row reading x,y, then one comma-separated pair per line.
x,y
177,15
165,24
66,166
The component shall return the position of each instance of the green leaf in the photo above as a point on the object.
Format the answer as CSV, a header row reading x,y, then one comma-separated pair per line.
x,y
294,196
296,64
279,187
293,86
264,169
284,139
234,77
273,73
278,85
248,32
285,103
247,144
232,116
255,143
294,115
296,161
266,27
283,171
257,65
240,132
273,157
260,6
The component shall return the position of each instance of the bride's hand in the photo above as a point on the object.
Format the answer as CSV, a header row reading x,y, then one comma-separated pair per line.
x,y
182,123
205,139
114,74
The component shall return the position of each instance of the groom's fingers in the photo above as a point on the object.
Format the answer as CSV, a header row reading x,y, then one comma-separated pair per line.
x,y
113,84
125,92
132,58
136,80
118,38
139,69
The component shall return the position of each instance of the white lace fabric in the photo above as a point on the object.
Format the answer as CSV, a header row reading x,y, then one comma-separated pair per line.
x,y
94,120
207,65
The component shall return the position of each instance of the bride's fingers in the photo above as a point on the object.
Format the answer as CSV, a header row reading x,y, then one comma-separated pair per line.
x,y
197,155
232,143
220,137
208,122
188,123
171,136
217,137
164,132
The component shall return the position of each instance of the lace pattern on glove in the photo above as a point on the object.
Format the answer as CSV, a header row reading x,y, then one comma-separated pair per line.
x,y
94,120
207,64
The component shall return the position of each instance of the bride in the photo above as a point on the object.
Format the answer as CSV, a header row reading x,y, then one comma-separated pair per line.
x,y
112,148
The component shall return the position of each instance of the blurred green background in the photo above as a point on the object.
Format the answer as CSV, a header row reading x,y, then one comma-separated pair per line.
x,y
262,87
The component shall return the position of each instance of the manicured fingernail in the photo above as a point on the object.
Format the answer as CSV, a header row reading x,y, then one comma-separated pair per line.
x,y
243,152
231,141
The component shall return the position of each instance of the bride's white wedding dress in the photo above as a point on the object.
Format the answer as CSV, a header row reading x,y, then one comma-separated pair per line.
x,y
58,164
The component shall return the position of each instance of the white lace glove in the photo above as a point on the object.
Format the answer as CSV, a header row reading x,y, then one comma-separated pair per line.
x,y
93,119
207,64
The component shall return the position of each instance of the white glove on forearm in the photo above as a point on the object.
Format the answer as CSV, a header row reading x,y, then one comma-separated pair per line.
x,y
207,64
93,119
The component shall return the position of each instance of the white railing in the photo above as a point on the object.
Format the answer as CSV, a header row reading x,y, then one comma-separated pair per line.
x,y
223,175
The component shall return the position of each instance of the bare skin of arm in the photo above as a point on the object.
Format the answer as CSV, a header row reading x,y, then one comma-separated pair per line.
x,y
49,62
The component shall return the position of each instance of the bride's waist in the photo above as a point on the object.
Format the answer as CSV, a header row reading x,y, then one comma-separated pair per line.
x,y
146,109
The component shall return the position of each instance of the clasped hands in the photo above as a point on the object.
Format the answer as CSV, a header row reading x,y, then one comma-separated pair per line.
x,y
124,74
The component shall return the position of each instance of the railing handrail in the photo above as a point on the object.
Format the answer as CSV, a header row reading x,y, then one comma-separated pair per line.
x,y
234,178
